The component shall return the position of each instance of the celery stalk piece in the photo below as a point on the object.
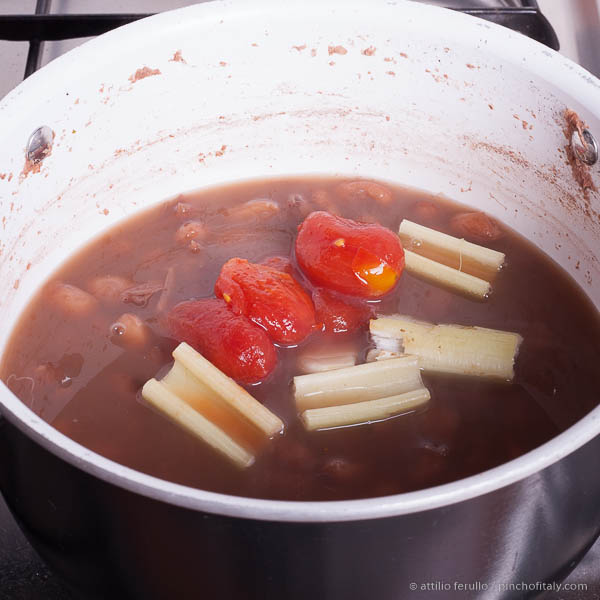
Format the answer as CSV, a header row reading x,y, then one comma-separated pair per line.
x,y
368,381
316,360
202,399
458,349
453,252
364,412
442,275
180,412
235,396
377,354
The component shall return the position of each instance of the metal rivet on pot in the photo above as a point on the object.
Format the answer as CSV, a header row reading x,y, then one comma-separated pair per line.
x,y
587,151
39,144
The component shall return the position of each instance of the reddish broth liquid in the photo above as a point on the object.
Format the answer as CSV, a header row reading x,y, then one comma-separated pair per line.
x,y
73,375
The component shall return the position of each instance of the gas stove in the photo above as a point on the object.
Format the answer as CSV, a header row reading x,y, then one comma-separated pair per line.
x,y
34,32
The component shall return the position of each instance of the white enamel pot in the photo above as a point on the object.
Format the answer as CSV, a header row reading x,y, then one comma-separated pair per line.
x,y
398,91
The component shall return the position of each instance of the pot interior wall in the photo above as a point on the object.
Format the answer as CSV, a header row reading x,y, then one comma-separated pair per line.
x,y
447,105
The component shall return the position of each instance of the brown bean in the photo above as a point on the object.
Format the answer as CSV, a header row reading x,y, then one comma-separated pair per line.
x,y
71,300
183,210
129,331
194,247
192,230
299,204
425,211
108,288
323,200
476,227
258,209
364,190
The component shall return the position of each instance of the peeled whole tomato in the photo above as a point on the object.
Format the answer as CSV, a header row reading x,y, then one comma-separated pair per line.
x,y
231,342
340,315
268,296
357,259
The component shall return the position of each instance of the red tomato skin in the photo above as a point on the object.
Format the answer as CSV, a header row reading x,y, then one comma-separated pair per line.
x,y
340,315
279,263
231,342
269,297
327,246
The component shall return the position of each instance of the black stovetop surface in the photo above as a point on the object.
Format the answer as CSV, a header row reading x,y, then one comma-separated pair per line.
x,y
23,575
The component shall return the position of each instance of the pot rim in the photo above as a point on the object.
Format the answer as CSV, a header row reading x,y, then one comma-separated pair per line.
x,y
500,42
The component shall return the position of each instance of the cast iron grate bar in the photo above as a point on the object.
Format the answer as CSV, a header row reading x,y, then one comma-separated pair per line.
x,y
527,20
20,28
36,43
